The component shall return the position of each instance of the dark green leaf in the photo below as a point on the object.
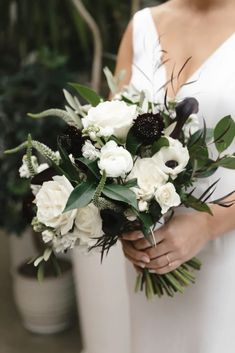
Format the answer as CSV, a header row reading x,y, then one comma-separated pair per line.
x,y
120,193
224,133
132,143
87,93
227,162
72,172
162,142
91,165
193,202
81,196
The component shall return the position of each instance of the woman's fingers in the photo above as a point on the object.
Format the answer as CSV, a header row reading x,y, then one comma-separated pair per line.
x,y
159,250
134,255
143,243
166,269
163,261
132,236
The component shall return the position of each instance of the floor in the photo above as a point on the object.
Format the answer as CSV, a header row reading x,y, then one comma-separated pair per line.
x,y
13,337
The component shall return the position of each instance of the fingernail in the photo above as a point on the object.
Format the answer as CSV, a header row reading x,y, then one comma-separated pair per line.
x,y
145,259
142,265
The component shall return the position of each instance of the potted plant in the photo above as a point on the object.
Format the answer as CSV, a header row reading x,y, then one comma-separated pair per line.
x,y
45,306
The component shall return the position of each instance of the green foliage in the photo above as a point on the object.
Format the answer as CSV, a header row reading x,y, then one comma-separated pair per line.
x,y
224,133
120,193
87,93
33,88
81,196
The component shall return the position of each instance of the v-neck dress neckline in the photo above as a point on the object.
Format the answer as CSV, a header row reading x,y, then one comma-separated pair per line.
x,y
205,62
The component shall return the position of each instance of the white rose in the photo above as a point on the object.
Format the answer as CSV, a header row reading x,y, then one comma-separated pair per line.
x,y
173,159
167,197
143,205
114,118
191,125
51,201
114,160
89,151
88,225
148,176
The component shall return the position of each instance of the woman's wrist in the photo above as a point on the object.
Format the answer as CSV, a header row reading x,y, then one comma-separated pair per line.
x,y
221,221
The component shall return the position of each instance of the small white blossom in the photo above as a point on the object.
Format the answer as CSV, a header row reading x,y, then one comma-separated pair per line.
x,y
191,126
89,151
143,205
47,235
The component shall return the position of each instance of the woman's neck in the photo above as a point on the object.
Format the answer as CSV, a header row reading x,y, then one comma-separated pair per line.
x,y
201,5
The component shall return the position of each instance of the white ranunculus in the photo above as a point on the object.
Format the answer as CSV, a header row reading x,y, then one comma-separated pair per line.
x,y
89,151
51,201
148,176
111,118
173,159
88,225
115,160
191,125
167,197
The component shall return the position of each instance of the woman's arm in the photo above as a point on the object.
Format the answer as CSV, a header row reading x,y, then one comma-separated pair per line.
x,y
125,56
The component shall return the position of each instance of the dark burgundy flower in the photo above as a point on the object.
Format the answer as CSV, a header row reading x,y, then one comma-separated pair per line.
x,y
183,110
72,141
148,127
112,222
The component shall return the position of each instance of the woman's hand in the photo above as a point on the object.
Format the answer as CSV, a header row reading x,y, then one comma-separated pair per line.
x,y
178,241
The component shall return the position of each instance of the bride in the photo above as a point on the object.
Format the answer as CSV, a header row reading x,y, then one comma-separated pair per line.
x,y
155,47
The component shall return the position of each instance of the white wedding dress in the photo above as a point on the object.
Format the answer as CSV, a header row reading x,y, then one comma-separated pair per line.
x,y
203,319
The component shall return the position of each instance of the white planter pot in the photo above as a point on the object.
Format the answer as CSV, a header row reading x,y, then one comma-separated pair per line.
x,y
102,301
46,307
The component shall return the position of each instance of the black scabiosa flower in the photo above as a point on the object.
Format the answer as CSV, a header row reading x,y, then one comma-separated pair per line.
x,y
148,127
113,222
72,141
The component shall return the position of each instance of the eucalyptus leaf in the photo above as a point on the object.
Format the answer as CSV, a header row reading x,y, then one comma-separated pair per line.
x,y
81,196
224,133
87,93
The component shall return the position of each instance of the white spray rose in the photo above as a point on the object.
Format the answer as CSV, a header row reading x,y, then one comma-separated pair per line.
x,y
167,197
111,118
51,201
115,160
65,242
88,225
148,176
173,159
47,236
89,151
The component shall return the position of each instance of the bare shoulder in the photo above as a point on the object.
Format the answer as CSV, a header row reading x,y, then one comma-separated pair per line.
x,y
163,11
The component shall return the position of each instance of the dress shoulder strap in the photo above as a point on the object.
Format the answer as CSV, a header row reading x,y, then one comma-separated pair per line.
x,y
145,37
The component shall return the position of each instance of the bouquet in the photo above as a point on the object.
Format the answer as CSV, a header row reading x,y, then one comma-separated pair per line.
x,y
123,165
